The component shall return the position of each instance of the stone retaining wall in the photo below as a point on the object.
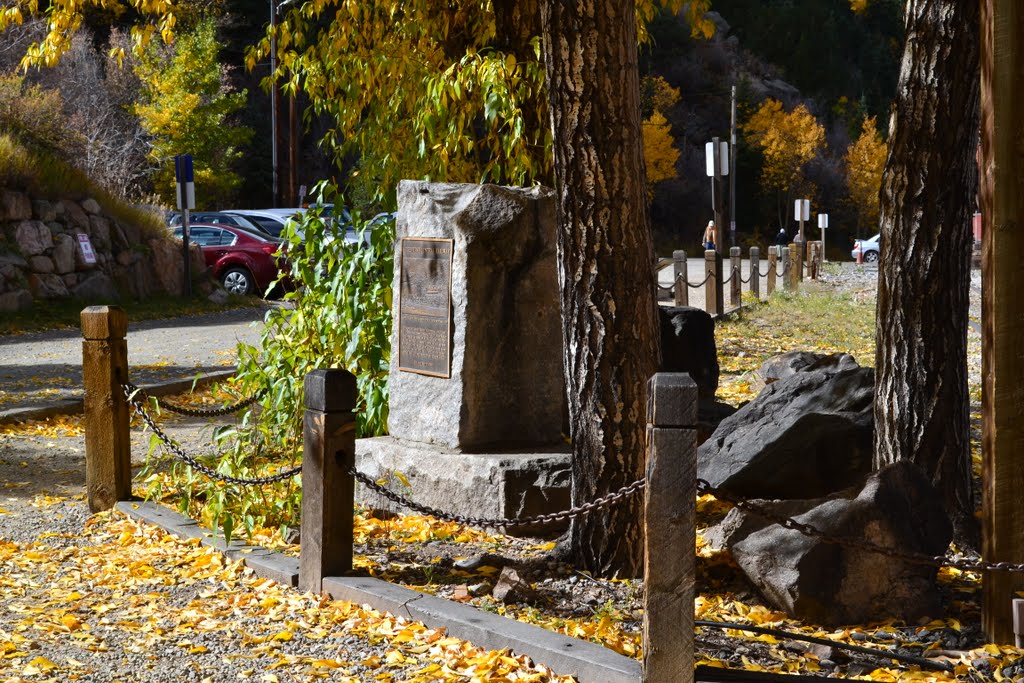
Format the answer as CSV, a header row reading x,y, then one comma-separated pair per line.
x,y
41,259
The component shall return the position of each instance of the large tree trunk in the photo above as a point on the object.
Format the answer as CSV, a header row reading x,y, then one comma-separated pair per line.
x,y
921,401
605,266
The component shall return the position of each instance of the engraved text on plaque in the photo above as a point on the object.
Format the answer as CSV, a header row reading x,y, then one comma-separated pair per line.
x,y
424,315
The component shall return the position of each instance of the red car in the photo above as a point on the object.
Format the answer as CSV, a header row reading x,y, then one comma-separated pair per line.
x,y
242,260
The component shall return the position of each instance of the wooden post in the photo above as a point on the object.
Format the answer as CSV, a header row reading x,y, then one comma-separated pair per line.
x,y
773,261
328,490
1002,316
796,266
680,288
713,302
755,272
735,277
108,458
669,528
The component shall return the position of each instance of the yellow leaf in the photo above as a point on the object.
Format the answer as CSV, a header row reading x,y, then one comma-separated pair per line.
x,y
283,636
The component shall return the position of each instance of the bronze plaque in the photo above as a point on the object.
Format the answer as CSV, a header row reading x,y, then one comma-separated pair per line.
x,y
425,306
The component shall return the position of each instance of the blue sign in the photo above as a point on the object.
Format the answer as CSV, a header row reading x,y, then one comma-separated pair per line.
x,y
183,176
183,168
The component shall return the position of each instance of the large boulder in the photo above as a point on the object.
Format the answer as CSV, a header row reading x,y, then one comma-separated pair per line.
x,y
64,254
831,584
47,286
33,237
804,436
688,345
789,363
96,289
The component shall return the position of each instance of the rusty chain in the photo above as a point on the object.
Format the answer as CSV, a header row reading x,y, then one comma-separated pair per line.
x,y
195,464
703,487
598,503
197,412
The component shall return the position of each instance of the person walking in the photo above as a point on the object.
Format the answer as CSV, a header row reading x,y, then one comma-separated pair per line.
x,y
709,236
782,239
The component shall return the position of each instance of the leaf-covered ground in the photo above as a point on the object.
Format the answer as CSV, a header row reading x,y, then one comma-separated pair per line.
x,y
105,598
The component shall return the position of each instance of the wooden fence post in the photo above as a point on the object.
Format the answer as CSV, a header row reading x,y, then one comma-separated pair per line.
x,y
735,277
773,260
713,299
328,490
755,272
669,528
108,458
680,288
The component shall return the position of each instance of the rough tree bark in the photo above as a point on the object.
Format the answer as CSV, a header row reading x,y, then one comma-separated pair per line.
x,y
921,402
605,266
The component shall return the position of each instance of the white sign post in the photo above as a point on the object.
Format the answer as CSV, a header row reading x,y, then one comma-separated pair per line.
x,y
823,223
185,182
716,160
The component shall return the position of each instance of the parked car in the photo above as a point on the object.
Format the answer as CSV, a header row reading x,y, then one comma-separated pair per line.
x,y
219,218
869,249
271,221
242,260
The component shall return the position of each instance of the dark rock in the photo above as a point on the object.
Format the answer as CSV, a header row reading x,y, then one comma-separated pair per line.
x,y
832,584
803,437
47,286
710,414
688,345
97,288
788,364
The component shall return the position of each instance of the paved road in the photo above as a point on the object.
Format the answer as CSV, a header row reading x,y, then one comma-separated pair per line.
x,y
41,373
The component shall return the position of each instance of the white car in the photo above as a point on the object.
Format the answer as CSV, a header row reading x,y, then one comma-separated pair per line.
x,y
869,249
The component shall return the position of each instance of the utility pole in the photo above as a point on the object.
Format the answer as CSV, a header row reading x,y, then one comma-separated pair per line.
x,y
273,103
732,175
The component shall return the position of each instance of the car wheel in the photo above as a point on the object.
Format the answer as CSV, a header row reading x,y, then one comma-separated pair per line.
x,y
871,256
237,281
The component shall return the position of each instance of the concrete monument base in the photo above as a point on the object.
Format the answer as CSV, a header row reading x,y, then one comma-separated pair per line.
x,y
495,485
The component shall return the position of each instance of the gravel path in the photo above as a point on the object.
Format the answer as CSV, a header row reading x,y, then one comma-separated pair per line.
x,y
39,370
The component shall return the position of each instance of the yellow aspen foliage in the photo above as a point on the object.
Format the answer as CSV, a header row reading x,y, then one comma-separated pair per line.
x,y
452,91
787,140
859,6
660,154
865,160
657,95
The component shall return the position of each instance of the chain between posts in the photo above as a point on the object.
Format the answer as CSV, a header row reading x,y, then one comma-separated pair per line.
x,y
701,283
136,404
598,503
198,412
703,487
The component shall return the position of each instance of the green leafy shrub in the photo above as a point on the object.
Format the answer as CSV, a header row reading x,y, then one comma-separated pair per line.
x,y
337,316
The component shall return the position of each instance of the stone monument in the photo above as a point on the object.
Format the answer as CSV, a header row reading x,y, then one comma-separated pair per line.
x,y
477,395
